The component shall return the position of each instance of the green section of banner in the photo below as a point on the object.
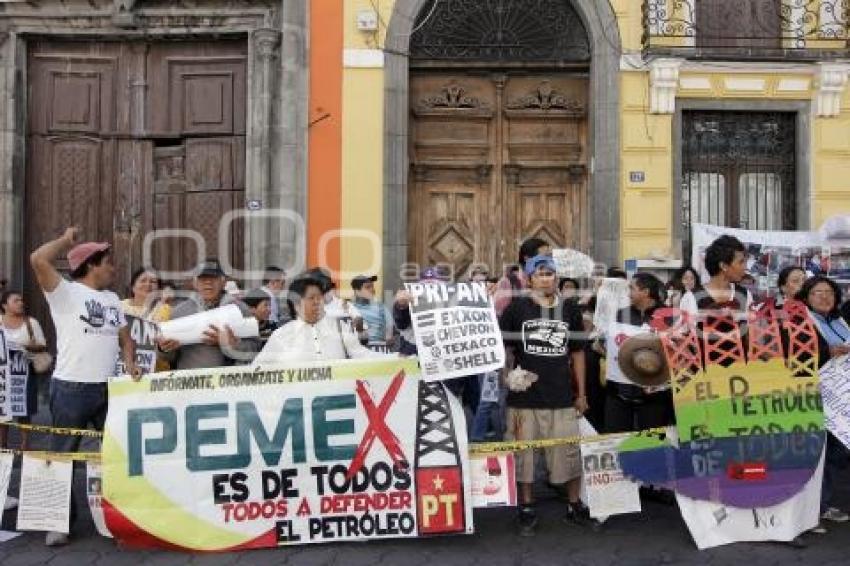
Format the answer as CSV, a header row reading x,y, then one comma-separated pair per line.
x,y
643,441
738,417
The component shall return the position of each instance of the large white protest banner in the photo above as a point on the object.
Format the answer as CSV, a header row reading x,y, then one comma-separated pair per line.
x,y
236,458
769,251
144,333
45,498
609,492
5,406
457,332
18,376
714,524
835,395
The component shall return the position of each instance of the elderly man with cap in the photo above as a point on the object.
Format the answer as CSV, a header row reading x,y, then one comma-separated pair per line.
x,y
90,332
545,334
219,346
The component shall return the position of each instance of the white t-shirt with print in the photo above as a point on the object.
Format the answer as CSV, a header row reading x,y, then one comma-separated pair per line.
x,y
87,324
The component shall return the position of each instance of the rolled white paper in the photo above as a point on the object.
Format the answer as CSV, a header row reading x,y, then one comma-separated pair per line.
x,y
190,329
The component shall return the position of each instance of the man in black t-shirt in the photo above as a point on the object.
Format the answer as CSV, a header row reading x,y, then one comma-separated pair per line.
x,y
545,335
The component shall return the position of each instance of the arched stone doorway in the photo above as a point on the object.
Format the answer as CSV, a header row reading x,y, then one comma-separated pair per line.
x,y
501,123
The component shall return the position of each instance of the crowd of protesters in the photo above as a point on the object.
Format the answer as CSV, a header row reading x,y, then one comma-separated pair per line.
x,y
548,385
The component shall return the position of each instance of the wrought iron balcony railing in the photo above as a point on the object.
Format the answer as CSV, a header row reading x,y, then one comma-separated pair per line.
x,y
753,29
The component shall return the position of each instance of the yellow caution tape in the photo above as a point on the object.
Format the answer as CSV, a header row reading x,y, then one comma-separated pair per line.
x,y
519,445
58,456
54,430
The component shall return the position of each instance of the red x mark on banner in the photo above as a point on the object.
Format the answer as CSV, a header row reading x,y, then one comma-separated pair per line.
x,y
377,426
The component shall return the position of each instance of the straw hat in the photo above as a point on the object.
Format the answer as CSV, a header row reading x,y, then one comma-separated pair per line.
x,y
642,360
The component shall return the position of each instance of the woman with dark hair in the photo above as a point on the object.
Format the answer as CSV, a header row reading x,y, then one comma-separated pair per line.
x,y
25,332
822,295
687,279
142,297
514,280
314,335
569,288
789,282
684,280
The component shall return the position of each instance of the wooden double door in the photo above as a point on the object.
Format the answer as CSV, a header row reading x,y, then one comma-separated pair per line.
x,y
495,158
125,138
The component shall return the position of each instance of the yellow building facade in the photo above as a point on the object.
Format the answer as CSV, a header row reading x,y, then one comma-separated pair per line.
x,y
662,75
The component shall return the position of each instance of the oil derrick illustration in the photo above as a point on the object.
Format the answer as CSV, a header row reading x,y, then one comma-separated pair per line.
x,y
438,465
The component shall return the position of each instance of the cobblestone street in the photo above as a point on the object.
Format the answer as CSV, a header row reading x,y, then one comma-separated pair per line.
x,y
656,536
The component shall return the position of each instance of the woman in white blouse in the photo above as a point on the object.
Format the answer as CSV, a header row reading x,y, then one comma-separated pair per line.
x,y
312,336
22,331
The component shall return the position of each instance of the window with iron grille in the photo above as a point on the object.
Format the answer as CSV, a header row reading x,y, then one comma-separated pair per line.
x,y
738,170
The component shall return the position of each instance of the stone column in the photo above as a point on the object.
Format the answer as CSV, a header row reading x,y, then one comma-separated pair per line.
x,y
11,166
288,236
261,81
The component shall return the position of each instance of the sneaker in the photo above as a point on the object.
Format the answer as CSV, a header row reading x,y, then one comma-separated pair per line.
x,y
11,503
578,514
835,515
820,529
54,538
527,520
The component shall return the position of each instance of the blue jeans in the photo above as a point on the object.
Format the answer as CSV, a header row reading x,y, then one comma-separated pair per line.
x,y
488,416
75,405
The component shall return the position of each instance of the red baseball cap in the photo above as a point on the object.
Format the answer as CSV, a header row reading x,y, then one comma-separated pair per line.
x,y
81,252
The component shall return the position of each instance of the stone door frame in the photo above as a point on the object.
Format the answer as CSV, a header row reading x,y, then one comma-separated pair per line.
x,y
604,136
276,132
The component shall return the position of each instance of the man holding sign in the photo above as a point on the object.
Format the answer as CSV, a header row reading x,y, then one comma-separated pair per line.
x,y
544,334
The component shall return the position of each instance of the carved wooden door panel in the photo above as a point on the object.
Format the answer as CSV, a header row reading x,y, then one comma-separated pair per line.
x,y
77,104
199,92
545,168
495,158
453,189
127,137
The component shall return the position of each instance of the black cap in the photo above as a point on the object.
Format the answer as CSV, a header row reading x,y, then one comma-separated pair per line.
x,y
210,267
361,280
